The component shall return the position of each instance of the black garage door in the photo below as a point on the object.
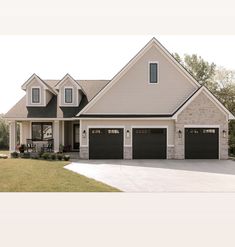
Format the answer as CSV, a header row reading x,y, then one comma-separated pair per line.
x,y
106,143
201,143
149,143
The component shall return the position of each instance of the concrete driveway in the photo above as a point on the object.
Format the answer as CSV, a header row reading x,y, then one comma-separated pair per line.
x,y
161,175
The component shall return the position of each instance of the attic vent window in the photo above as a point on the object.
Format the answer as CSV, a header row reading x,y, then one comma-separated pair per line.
x,y
153,72
35,95
68,95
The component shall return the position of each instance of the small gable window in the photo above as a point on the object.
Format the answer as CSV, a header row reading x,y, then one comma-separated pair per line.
x,y
68,94
153,72
35,95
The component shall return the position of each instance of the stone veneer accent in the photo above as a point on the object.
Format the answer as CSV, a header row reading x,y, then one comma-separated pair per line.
x,y
84,153
127,155
202,111
170,152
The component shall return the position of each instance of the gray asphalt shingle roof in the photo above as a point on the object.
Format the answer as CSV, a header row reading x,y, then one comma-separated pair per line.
x,y
52,110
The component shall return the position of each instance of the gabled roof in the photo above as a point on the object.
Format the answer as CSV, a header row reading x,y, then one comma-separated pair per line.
x,y
67,76
152,43
52,110
204,90
45,85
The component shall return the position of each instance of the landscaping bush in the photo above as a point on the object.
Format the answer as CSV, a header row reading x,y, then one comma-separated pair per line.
x,y
59,156
40,153
22,148
66,157
25,155
53,156
46,156
14,155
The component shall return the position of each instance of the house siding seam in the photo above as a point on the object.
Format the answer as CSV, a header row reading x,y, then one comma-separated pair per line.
x,y
201,112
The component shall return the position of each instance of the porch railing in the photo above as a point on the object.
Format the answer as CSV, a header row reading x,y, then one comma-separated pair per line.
x,y
36,146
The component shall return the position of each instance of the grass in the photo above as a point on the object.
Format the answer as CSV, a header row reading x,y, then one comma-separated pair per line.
x,y
4,152
27,175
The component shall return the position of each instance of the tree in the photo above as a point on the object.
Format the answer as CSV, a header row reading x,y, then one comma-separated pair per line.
x,y
220,81
4,133
200,69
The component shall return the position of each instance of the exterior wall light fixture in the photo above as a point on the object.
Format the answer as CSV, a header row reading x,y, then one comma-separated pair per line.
x,y
179,133
127,133
84,134
224,133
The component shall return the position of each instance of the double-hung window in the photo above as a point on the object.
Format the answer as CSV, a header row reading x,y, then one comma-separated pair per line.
x,y
68,95
35,95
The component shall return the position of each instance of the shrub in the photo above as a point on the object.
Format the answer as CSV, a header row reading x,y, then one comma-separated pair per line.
x,y
22,148
14,155
45,156
59,156
66,157
25,155
40,153
53,156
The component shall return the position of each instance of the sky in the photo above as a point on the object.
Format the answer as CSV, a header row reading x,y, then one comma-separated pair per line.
x,y
91,57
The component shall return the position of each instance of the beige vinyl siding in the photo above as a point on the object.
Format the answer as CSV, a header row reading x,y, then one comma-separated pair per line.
x,y
127,124
48,96
37,84
133,93
76,96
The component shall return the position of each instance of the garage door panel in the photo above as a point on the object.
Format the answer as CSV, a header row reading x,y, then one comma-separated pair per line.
x,y
201,143
149,143
106,143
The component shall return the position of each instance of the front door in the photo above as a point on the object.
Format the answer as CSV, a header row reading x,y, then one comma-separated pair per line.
x,y
76,131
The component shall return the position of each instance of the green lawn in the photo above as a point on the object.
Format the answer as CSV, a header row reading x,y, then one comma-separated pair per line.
x,y
27,175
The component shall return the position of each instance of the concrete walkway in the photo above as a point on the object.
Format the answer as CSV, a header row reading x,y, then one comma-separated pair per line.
x,y
161,175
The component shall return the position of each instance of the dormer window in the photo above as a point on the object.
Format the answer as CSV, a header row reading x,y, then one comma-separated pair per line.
x,y
68,95
35,95
153,72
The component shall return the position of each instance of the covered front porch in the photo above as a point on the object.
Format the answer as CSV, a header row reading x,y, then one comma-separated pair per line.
x,y
44,135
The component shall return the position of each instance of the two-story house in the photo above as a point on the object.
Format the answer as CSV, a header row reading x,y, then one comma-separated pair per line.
x,y
152,109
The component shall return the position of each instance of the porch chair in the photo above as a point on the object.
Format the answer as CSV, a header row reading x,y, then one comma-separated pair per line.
x,y
49,146
30,145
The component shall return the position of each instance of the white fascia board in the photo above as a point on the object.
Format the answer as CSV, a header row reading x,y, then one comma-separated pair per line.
x,y
151,43
67,76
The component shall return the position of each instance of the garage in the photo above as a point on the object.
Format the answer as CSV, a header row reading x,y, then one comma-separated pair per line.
x,y
149,143
201,143
106,143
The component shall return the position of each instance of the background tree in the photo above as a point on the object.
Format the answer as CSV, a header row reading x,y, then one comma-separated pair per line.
x,y
220,81
4,133
200,69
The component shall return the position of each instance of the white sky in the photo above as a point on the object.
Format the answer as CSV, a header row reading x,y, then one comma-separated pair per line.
x,y
90,57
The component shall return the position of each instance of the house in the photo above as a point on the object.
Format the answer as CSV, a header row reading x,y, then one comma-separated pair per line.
x,y
152,109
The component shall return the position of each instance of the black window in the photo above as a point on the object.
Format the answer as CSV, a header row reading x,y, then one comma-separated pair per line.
x,y
153,73
41,131
35,95
68,95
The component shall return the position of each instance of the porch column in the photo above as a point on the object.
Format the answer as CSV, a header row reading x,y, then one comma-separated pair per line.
x,y
12,136
56,136
62,132
21,134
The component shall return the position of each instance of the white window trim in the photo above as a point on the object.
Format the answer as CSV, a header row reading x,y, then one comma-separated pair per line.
x,y
73,96
153,83
40,96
